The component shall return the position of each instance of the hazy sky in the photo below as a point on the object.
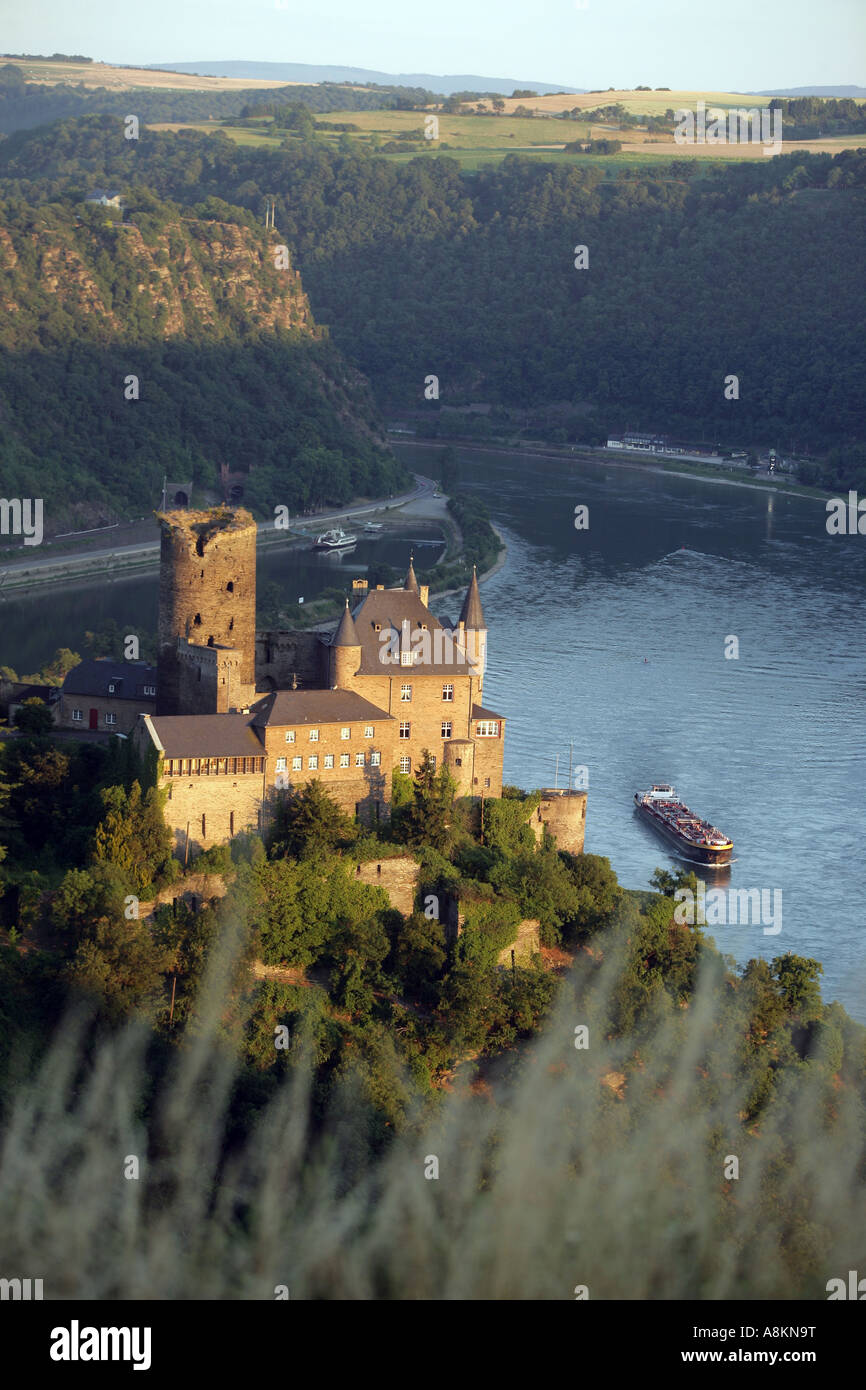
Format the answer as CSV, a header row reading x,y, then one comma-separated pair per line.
x,y
730,45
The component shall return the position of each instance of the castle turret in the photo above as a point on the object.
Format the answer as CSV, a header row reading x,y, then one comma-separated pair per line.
x,y
207,593
344,657
411,583
472,634
471,614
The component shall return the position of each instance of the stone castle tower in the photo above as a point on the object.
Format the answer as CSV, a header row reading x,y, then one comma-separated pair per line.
x,y
207,611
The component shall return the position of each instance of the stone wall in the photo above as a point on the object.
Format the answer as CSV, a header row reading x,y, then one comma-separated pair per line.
x,y
399,878
218,800
126,712
193,889
365,791
564,814
284,656
525,945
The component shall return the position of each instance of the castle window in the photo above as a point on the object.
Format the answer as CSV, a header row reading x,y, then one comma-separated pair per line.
x,y
290,735
77,714
314,736
405,693
230,587
344,760
446,728
280,765
375,759
405,728
196,622
345,733
231,625
368,731
448,692
329,760
297,764
111,719
313,762
488,728
405,764
487,781
231,822
360,759
203,826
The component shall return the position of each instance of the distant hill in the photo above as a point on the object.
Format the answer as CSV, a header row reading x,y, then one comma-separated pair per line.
x,y
858,92
312,72
169,344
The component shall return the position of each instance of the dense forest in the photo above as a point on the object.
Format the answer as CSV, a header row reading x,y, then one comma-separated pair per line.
x,y
170,344
368,1011
690,275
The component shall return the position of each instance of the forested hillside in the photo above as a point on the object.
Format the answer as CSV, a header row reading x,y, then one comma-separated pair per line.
x,y
26,104
693,274
169,343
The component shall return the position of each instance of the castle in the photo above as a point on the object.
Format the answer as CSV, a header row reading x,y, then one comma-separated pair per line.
x,y
242,715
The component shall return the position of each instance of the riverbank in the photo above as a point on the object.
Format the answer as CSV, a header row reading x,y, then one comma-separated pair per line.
x,y
708,471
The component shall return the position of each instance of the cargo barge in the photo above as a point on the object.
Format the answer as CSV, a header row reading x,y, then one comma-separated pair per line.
x,y
693,838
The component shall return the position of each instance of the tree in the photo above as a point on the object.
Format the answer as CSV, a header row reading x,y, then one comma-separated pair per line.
x,y
449,470
797,978
85,897
427,820
120,965
134,837
418,955
34,717
307,822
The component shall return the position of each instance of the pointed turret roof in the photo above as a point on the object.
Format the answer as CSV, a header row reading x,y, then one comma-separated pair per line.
x,y
346,634
411,582
471,615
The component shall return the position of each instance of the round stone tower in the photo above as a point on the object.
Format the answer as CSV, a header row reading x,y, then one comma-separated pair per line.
x,y
207,592
344,657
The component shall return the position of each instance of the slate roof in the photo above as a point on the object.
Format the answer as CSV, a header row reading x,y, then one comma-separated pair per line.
x,y
479,712
93,677
471,615
294,707
390,608
207,736
345,636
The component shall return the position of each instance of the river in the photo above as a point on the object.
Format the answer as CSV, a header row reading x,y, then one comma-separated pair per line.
x,y
614,638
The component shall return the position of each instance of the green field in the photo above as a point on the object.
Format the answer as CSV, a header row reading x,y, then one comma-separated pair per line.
x,y
483,139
